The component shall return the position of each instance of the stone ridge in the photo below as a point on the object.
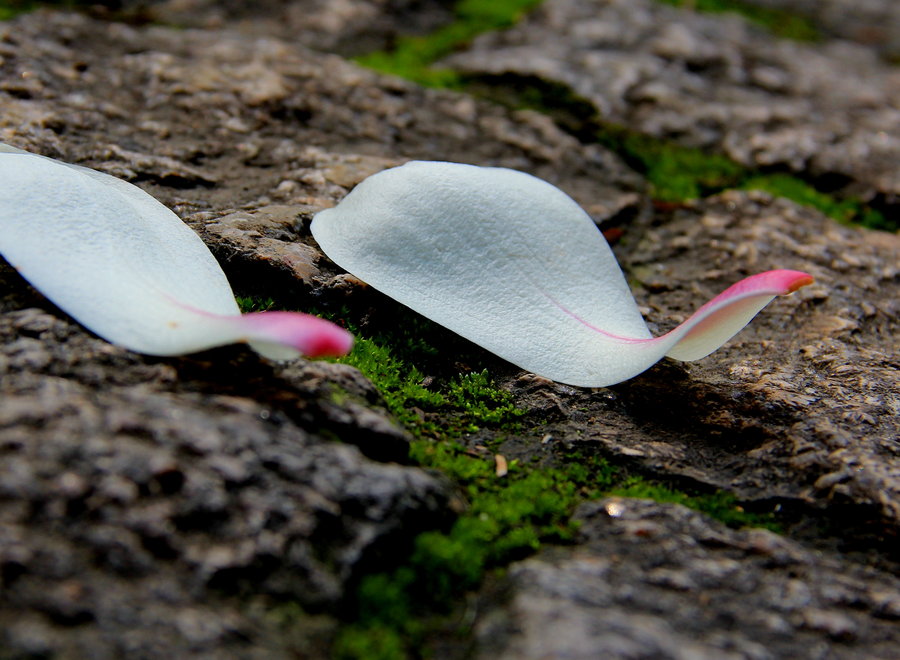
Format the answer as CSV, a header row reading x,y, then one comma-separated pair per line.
x,y
829,112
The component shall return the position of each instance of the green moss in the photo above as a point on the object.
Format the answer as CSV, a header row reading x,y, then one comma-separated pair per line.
x,y
508,518
411,57
400,383
10,8
482,403
721,505
466,402
676,173
847,211
779,22
369,642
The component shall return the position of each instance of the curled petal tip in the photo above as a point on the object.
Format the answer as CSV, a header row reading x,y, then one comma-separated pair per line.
x,y
726,314
779,282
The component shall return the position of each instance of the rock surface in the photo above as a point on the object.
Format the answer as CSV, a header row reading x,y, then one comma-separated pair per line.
x,y
163,507
831,111
345,26
655,580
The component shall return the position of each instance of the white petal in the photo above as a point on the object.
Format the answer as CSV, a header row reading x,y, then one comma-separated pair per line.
x,y
118,261
506,260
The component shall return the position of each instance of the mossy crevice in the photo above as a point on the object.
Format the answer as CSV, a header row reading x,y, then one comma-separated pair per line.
x,y
676,173
508,518
428,407
397,611
780,22
412,56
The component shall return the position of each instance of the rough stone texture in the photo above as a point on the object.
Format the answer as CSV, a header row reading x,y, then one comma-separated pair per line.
x,y
831,112
191,111
137,495
655,580
163,507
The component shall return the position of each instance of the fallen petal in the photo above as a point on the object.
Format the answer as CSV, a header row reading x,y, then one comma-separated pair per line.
x,y
129,269
513,264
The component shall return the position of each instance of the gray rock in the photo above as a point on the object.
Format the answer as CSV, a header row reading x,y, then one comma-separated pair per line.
x,y
139,496
654,580
829,111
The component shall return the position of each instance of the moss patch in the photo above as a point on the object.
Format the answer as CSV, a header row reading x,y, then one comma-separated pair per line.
x,y
394,613
249,304
848,211
411,57
12,8
509,518
720,505
464,404
677,173
779,22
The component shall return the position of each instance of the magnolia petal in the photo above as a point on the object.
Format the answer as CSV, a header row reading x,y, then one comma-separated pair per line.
x,y
129,269
513,264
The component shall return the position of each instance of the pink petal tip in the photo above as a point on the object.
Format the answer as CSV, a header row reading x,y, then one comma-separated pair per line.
x,y
723,316
312,336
